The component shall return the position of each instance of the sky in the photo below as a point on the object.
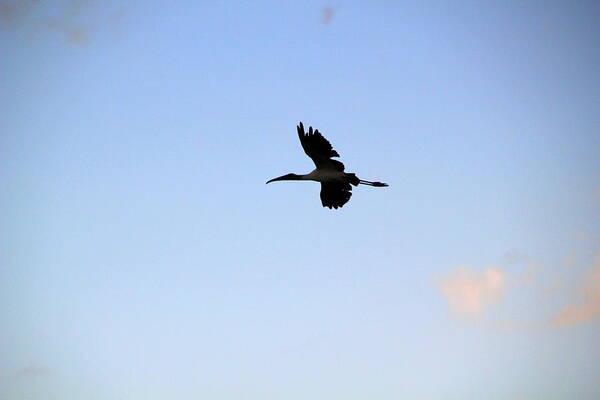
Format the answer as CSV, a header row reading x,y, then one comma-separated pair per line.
x,y
143,257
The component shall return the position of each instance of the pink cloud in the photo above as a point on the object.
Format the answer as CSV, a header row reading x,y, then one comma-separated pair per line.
x,y
469,291
588,308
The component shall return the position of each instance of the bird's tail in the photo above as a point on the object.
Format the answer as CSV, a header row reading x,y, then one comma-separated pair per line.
x,y
376,184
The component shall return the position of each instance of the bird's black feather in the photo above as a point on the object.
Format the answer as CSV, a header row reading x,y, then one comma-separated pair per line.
x,y
317,147
335,194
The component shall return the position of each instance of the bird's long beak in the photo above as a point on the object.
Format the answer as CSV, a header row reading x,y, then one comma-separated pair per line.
x,y
286,177
280,178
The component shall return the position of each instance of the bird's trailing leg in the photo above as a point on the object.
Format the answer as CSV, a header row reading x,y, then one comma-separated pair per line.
x,y
377,184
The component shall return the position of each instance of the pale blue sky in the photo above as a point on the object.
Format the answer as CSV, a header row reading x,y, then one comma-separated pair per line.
x,y
143,257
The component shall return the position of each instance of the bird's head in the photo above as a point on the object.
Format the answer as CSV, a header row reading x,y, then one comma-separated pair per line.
x,y
287,177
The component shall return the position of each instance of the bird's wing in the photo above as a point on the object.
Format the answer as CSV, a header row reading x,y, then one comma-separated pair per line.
x,y
319,149
335,194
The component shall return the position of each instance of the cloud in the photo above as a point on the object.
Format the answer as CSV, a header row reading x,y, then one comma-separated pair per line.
x,y
327,14
13,11
67,20
588,308
66,24
73,33
470,291
32,371
7,13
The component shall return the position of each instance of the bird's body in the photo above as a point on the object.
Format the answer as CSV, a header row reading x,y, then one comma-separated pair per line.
x,y
326,175
335,183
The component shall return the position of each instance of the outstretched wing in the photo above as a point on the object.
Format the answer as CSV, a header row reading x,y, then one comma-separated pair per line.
x,y
335,194
319,149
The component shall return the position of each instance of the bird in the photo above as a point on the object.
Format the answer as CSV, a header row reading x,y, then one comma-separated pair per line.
x,y
336,185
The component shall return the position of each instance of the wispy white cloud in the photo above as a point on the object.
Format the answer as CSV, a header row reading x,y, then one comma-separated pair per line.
x,y
470,291
587,308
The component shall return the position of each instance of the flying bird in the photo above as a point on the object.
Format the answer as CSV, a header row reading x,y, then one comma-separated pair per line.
x,y
335,183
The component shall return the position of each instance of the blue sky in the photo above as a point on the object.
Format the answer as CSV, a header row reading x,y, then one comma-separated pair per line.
x,y
143,257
